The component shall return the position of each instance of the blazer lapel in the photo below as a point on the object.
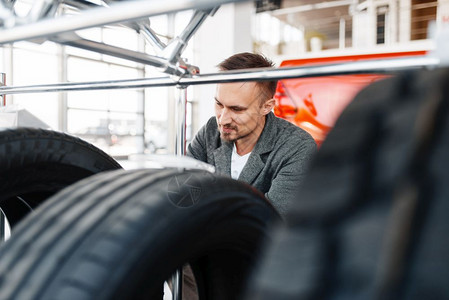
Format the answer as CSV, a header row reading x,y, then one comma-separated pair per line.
x,y
222,158
265,144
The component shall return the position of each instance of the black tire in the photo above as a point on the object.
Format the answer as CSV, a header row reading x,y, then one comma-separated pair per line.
x,y
37,163
119,235
373,215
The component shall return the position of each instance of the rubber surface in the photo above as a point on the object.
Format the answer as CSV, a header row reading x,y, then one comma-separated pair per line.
x,y
372,218
120,234
36,163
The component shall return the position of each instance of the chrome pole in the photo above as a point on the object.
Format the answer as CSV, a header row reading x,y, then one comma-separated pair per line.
x,y
177,279
181,120
360,67
2,103
71,39
100,16
180,150
2,83
2,226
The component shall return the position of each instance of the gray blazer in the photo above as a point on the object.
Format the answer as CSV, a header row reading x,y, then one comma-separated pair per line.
x,y
276,166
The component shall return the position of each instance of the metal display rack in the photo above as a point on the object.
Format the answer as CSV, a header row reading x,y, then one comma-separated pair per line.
x,y
43,22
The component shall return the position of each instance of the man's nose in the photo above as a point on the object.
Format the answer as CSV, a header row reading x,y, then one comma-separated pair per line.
x,y
225,117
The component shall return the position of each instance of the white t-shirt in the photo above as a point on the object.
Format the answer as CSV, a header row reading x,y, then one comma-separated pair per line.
x,y
237,163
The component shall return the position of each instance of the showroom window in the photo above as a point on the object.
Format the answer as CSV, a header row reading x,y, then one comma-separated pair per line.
x,y
119,121
111,119
34,64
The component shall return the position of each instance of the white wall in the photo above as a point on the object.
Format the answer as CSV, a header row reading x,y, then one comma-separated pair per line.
x,y
443,13
405,20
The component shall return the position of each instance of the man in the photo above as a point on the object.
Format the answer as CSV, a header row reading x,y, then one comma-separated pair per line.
x,y
247,141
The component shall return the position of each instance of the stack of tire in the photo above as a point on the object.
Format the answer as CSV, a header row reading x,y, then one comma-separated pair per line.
x,y
120,234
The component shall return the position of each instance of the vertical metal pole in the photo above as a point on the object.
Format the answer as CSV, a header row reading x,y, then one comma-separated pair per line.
x,y
180,121
177,279
62,97
180,150
2,103
2,83
2,226
342,36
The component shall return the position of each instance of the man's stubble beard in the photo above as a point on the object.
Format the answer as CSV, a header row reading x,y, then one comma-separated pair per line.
x,y
226,136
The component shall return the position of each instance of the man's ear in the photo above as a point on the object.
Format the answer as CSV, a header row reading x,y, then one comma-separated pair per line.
x,y
268,106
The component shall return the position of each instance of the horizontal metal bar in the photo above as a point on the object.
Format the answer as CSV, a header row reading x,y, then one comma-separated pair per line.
x,y
71,39
116,13
78,42
360,67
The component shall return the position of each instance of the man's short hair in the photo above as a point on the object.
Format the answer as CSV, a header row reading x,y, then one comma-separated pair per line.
x,y
248,60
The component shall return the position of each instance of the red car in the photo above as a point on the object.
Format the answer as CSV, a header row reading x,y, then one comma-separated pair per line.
x,y
315,103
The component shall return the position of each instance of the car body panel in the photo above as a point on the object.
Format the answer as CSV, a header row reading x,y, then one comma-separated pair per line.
x,y
315,103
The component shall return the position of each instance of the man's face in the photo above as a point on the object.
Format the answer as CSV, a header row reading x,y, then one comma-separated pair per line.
x,y
239,111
